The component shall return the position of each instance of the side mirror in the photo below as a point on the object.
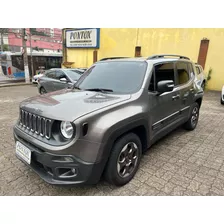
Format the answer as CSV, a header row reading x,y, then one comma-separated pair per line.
x,y
165,86
63,80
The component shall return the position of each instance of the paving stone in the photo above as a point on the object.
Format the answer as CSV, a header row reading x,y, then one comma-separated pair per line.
x,y
182,163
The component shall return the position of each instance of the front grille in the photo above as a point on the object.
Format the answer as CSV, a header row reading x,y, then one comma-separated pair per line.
x,y
36,124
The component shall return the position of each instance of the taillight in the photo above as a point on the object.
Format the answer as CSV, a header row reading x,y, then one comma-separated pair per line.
x,y
9,71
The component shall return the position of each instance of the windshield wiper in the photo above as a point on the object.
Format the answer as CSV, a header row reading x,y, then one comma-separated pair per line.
x,y
75,87
100,90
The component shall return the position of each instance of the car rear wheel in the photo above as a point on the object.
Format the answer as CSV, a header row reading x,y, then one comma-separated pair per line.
x,y
124,160
42,91
193,120
203,85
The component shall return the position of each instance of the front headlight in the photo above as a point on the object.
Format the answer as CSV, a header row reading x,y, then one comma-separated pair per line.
x,y
67,129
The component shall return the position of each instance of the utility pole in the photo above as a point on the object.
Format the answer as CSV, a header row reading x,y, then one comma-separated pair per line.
x,y
64,49
31,57
25,57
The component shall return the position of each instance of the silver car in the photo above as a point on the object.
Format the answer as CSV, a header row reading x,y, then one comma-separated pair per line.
x,y
201,81
56,79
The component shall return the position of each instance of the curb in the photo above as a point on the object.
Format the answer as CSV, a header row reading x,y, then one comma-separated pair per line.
x,y
15,84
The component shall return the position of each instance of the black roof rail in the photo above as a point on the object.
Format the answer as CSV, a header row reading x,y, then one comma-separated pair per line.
x,y
112,58
167,55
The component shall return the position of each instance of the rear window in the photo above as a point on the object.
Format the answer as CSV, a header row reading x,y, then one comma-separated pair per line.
x,y
74,74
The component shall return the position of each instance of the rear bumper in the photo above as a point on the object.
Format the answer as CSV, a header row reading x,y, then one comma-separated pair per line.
x,y
60,169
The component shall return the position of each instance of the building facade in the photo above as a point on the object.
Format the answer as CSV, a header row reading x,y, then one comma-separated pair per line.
x,y
47,40
204,46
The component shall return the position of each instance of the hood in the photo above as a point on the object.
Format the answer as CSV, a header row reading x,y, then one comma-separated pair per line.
x,y
70,104
38,76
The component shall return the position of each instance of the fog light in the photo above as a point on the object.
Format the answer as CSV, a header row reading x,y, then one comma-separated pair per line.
x,y
66,172
73,170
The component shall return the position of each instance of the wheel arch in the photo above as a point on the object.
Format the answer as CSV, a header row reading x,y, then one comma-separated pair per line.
x,y
199,101
140,128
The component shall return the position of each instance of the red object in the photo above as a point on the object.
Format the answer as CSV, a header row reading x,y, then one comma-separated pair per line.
x,y
9,71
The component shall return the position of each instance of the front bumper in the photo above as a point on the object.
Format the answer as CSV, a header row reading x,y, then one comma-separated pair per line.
x,y
34,80
61,169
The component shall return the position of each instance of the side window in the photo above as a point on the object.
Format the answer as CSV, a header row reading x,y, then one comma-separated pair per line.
x,y
162,72
198,70
182,73
51,75
60,74
191,70
152,86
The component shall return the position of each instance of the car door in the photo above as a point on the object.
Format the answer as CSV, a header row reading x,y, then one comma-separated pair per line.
x,y
164,108
185,84
58,84
48,81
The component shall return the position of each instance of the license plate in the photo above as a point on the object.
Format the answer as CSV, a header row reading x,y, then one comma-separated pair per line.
x,y
23,152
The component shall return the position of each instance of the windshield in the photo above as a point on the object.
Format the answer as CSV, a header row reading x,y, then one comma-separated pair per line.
x,y
74,74
123,77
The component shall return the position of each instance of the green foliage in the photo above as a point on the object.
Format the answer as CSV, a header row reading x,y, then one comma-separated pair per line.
x,y
5,47
209,74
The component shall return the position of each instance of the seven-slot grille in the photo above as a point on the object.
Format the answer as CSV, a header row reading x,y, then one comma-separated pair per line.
x,y
36,124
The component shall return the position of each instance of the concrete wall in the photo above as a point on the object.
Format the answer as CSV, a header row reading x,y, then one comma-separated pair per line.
x,y
122,42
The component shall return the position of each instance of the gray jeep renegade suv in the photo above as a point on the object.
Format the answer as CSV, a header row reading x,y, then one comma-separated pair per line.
x,y
103,124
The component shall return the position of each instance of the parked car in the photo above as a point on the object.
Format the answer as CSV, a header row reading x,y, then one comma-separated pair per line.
x,y
101,126
201,80
36,78
56,79
222,96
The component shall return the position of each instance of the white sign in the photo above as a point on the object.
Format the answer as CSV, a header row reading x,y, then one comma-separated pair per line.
x,y
83,38
23,152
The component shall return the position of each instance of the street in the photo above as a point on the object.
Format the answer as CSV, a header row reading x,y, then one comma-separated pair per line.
x,y
183,163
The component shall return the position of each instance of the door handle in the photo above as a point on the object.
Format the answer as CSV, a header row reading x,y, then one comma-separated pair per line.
x,y
175,97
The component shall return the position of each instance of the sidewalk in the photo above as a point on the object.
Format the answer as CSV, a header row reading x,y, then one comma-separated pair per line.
x,y
6,82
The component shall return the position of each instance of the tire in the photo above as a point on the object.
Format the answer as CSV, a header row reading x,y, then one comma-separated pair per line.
x,y
203,86
193,119
117,174
221,101
42,91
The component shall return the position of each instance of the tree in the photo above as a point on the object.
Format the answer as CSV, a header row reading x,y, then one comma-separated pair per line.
x,y
2,32
5,47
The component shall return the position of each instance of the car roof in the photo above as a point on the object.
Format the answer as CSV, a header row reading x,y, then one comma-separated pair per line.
x,y
155,59
66,69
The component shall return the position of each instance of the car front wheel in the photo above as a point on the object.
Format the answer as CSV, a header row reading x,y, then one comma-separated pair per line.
x,y
124,160
42,91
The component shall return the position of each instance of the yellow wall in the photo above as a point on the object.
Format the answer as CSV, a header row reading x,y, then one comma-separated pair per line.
x,y
122,42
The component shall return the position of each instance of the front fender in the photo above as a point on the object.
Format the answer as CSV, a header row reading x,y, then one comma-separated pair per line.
x,y
113,133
